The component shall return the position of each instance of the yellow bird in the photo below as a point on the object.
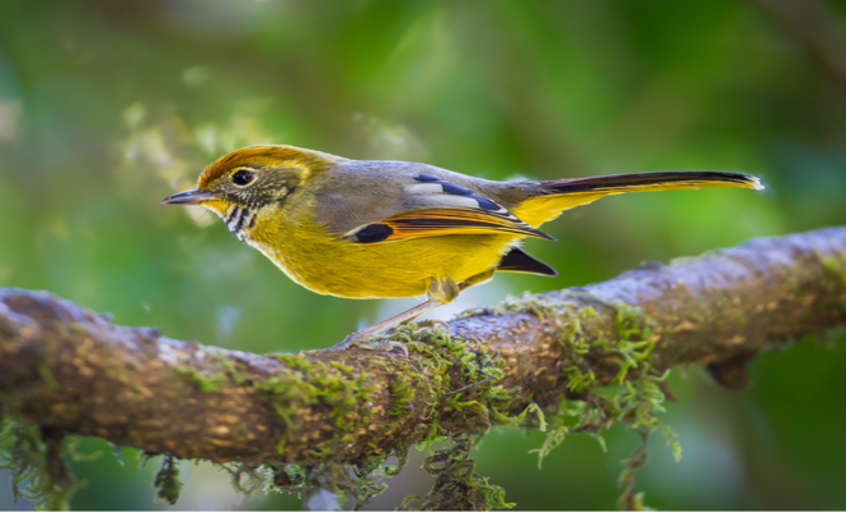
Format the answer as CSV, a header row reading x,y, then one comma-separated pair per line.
x,y
366,229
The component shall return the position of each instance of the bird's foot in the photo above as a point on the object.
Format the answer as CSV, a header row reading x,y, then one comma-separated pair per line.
x,y
356,340
433,324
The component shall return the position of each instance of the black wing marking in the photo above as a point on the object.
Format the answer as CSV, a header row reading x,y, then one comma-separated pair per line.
x,y
373,233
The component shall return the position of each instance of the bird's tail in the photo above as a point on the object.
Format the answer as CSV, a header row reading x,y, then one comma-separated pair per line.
x,y
555,196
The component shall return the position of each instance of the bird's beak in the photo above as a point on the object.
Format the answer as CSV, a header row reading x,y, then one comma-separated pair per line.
x,y
194,196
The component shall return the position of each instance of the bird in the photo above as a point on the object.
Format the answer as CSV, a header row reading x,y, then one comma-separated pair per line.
x,y
378,229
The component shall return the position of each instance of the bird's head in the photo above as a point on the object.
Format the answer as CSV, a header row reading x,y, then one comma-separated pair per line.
x,y
244,184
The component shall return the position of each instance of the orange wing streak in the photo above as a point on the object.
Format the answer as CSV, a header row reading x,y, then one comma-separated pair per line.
x,y
455,221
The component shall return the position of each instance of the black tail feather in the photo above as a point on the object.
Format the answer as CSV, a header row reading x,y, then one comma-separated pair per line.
x,y
646,179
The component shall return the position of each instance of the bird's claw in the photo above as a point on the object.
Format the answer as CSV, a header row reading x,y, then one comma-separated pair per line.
x,y
386,345
434,324
354,341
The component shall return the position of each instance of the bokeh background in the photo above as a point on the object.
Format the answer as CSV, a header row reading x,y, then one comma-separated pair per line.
x,y
108,106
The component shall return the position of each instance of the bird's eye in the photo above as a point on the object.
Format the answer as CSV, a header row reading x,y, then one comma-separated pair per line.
x,y
243,178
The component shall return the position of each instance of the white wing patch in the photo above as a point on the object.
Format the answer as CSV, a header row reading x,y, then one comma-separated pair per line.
x,y
432,192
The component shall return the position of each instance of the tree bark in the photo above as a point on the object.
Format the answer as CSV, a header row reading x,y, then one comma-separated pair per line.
x,y
68,368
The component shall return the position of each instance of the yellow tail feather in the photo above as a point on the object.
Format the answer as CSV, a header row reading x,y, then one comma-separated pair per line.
x,y
560,195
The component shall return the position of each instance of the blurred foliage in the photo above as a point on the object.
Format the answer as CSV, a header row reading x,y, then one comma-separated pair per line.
x,y
107,107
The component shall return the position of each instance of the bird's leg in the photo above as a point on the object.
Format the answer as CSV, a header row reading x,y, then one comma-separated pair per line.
x,y
359,338
472,280
441,291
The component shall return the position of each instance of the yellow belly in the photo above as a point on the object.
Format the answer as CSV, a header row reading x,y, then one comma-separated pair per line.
x,y
404,268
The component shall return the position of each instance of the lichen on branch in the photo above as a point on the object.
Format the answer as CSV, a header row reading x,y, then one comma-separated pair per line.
x,y
578,360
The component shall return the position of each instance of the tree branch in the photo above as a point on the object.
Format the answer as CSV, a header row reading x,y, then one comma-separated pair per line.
x,y
68,368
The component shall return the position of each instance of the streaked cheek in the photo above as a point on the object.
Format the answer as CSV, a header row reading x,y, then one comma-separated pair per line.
x,y
217,207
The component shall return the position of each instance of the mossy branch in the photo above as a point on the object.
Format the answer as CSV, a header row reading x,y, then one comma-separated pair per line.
x,y
71,370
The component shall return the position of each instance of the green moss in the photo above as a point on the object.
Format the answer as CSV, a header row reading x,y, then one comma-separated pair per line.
x,y
834,265
167,481
231,368
44,371
349,482
247,478
633,396
553,439
468,398
539,305
204,382
467,402
402,396
630,499
211,382
341,392
36,458
457,486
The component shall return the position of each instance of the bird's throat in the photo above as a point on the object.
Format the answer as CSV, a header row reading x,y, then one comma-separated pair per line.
x,y
238,219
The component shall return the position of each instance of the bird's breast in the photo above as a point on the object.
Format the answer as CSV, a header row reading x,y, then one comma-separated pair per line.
x,y
328,264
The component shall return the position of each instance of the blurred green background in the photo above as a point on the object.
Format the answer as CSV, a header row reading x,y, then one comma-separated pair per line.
x,y
108,106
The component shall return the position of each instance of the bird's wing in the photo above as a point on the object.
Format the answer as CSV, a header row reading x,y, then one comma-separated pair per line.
x,y
434,206
441,222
